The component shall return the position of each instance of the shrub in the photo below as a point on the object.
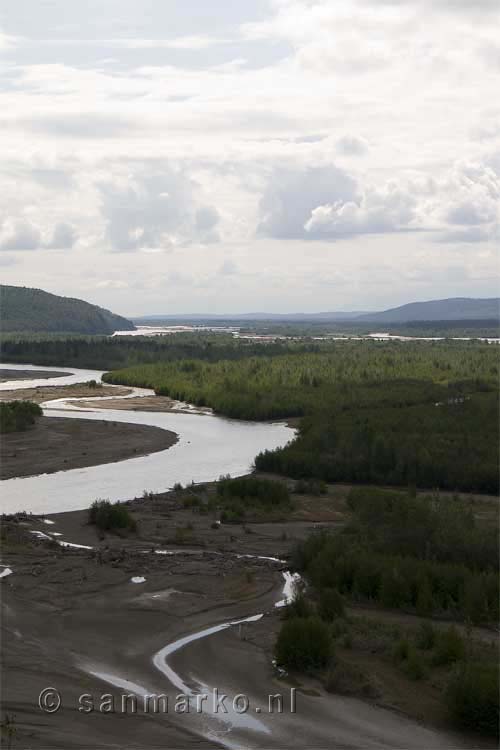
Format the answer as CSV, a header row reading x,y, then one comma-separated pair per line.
x,y
426,636
401,650
298,607
303,644
16,416
264,492
331,604
108,516
414,666
472,697
450,647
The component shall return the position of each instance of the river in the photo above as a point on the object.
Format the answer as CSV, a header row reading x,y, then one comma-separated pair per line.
x,y
208,447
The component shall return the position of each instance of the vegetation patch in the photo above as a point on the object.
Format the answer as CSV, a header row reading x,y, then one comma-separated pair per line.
x,y
114,517
16,416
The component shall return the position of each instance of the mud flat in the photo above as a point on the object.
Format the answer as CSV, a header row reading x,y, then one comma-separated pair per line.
x,y
14,374
57,444
40,394
93,620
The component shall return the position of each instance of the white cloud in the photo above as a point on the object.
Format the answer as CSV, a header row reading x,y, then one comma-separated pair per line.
x,y
212,140
19,235
63,238
156,210
389,209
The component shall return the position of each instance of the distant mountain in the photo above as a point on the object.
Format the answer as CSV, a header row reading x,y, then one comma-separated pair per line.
x,y
456,308
322,317
32,310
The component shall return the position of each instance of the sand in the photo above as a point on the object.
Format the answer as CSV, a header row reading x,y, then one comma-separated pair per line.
x,y
57,443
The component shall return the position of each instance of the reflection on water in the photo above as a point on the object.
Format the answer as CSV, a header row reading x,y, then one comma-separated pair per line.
x,y
208,446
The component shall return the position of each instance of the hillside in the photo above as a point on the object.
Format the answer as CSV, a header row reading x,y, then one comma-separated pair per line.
x,y
457,308
32,310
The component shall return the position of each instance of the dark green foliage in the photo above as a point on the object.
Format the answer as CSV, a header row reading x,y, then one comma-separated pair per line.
x,y
426,636
303,644
414,666
450,446
331,604
401,650
310,487
298,607
238,498
417,554
473,697
263,491
108,516
450,647
113,352
25,309
16,416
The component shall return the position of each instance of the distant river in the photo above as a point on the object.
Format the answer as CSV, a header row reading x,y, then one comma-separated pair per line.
x,y
208,447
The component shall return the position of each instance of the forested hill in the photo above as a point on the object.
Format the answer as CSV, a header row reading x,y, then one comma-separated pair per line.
x,y
457,308
32,310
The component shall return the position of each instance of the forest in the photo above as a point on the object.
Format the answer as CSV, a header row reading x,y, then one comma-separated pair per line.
x,y
411,414
111,353
425,556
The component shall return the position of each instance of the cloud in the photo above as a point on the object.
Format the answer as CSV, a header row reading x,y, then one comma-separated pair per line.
x,y
63,238
20,235
462,205
351,145
292,195
228,268
156,211
82,125
112,284
389,209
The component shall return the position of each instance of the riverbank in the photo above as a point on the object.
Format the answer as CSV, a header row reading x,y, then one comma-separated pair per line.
x,y
13,374
191,575
40,394
58,444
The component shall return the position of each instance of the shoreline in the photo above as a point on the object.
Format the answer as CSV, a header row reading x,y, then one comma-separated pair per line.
x,y
56,444
58,598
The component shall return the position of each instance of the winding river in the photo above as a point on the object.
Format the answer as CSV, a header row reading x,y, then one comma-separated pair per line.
x,y
208,447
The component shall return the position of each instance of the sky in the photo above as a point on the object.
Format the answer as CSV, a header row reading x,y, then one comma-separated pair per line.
x,y
231,156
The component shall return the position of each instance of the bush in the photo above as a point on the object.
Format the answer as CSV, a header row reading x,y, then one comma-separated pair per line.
x,y
16,416
298,607
303,644
331,604
473,698
108,516
414,666
426,636
450,647
401,650
256,491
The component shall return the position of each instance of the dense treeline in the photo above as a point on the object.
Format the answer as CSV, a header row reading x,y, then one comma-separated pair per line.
x,y
394,413
18,415
417,553
304,382
450,443
26,309
111,353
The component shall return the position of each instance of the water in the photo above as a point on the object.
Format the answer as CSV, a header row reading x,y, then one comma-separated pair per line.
x,y
208,447
73,376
